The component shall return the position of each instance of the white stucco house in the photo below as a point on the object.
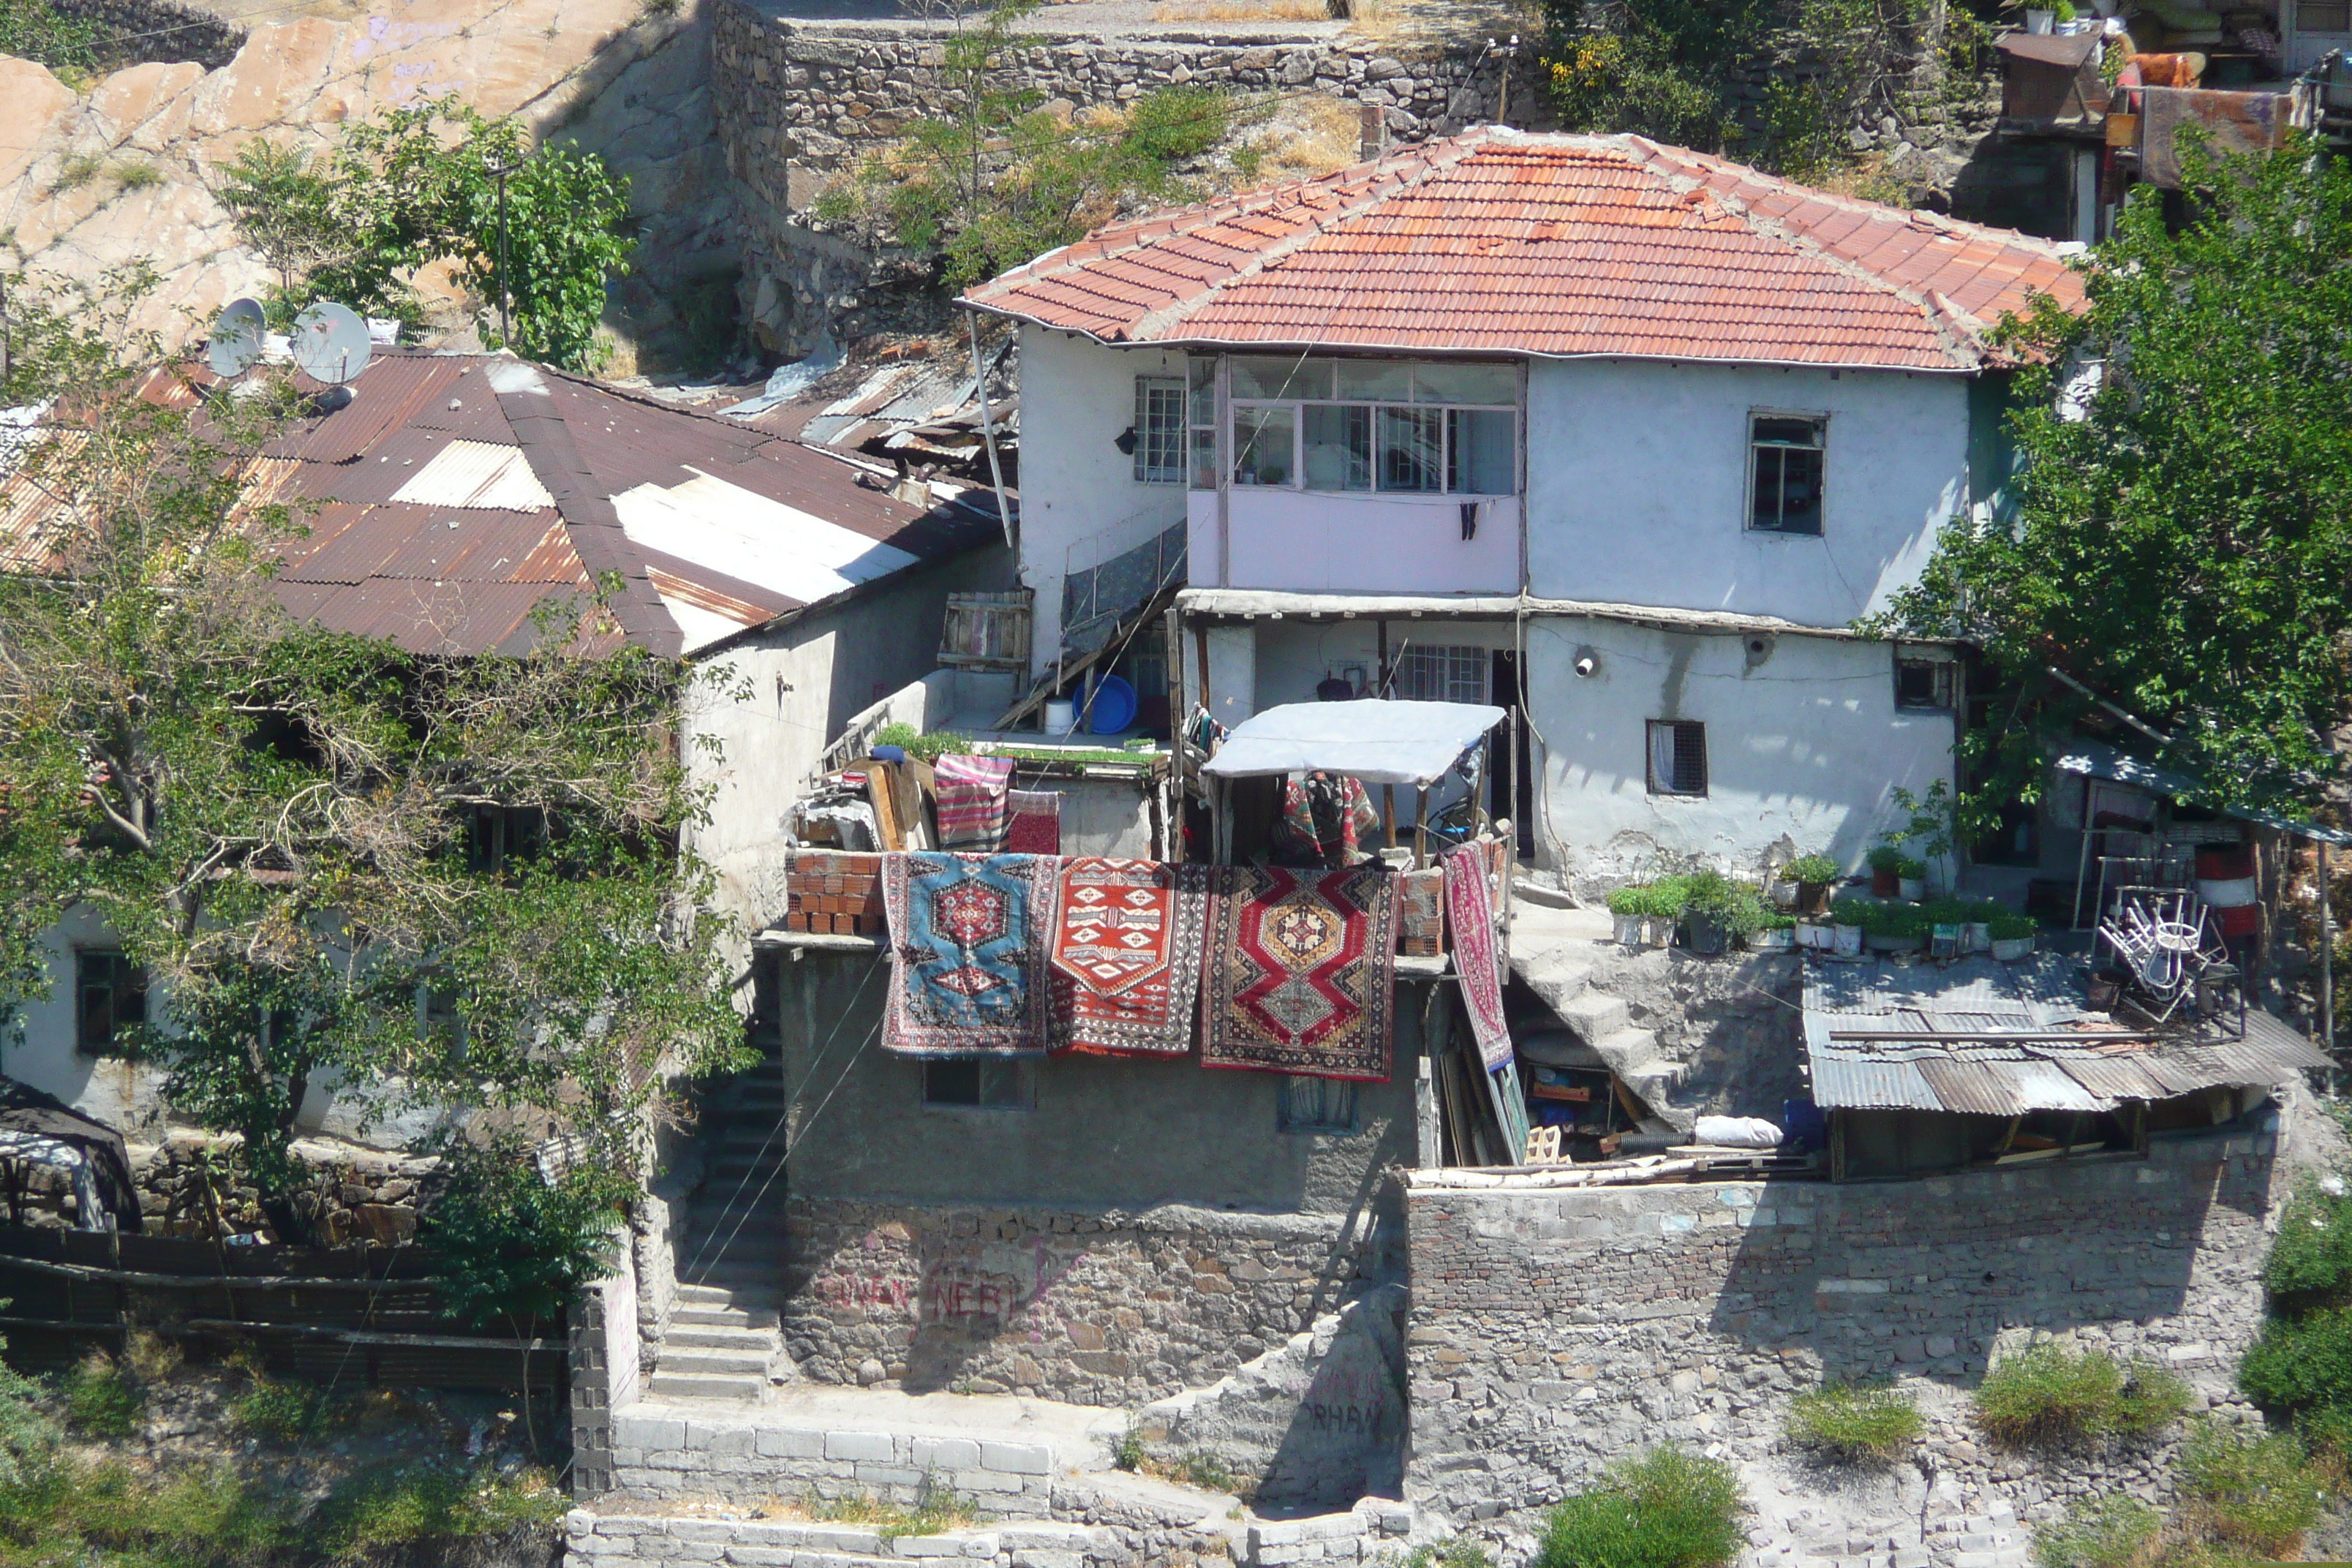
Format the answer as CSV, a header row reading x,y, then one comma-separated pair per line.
x,y
1621,438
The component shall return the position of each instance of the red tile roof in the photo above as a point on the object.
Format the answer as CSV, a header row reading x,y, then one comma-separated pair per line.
x,y
1502,241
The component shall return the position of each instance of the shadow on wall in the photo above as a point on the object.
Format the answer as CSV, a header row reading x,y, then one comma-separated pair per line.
x,y
1919,1278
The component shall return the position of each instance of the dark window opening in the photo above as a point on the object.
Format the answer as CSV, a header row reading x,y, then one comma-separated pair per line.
x,y
497,833
1316,1105
1677,757
109,1001
1923,683
1786,488
988,1084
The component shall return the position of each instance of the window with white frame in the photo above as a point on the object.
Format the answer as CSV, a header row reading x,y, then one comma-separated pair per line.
x,y
1161,433
1785,459
1677,757
2323,16
1441,673
1374,426
1204,423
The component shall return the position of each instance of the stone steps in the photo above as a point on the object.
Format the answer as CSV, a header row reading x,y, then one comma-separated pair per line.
x,y
730,1387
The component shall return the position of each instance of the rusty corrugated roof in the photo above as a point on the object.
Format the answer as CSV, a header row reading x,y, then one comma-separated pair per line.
x,y
1502,241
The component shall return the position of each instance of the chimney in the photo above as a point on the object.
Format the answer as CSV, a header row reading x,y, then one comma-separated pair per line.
x,y
1374,121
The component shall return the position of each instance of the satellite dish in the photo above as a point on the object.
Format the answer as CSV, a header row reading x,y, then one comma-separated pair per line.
x,y
237,339
330,342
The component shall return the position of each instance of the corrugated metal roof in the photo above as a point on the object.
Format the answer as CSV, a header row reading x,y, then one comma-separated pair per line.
x,y
1985,1039
476,474
1502,241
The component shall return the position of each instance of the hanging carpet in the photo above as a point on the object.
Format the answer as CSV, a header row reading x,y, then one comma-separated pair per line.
x,y
971,792
1470,912
1127,956
1301,971
967,953
1035,822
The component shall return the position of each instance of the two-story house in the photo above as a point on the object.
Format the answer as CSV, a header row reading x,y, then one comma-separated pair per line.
x,y
1621,438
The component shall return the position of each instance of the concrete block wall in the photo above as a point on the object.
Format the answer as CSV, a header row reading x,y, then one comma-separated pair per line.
x,y
1099,1307
603,1354
1554,1331
671,1450
760,1543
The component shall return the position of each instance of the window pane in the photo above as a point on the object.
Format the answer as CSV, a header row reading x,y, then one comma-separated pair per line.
x,y
1441,673
951,1083
1337,447
1286,376
1000,1084
1788,477
2323,17
1480,459
1413,454
1262,446
1204,391
1497,383
1375,381
1159,430
1205,460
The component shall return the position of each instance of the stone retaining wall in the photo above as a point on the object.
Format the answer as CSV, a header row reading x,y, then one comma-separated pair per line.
x,y
760,1543
664,1450
1098,1308
1553,1332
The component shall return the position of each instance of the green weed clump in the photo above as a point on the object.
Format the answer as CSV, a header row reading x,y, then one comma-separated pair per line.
x,y
1667,1509
281,1412
2049,1394
1871,1423
2256,1491
936,1509
2117,1531
434,1503
1455,1551
102,1399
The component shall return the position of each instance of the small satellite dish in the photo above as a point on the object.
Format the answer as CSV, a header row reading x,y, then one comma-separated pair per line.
x,y
237,339
330,342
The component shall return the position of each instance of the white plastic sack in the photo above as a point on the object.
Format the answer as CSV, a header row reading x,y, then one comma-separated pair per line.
x,y
1736,1132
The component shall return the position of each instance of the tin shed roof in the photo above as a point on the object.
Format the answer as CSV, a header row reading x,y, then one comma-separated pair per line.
x,y
1497,240
1990,1039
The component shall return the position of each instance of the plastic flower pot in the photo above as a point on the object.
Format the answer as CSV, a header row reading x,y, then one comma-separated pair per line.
x,y
2040,21
1813,897
1849,942
1886,941
2009,950
1911,889
1659,929
1708,936
1820,935
1975,937
1884,882
1629,929
1779,939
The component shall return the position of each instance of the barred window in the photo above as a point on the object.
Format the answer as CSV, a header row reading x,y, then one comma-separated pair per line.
x,y
1441,673
1677,757
1316,1105
1161,432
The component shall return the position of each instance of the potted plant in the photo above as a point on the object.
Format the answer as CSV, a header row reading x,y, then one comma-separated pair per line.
x,y
1775,934
1894,928
1976,930
1661,911
2012,936
1628,913
1910,879
1883,861
1711,905
1814,875
1850,919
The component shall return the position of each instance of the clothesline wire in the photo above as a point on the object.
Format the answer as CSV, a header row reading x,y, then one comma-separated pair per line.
x,y
815,1063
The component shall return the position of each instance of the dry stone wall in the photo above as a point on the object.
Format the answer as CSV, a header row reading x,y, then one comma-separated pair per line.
x,y
799,101
1555,1330
1098,1308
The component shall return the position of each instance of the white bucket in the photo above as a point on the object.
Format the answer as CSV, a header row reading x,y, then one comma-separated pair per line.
x,y
1061,715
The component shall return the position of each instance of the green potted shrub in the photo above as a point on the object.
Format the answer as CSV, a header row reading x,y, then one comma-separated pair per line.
x,y
1628,913
1661,911
1910,879
1896,927
1977,923
1716,909
1885,861
1814,875
1850,919
2012,936
1776,932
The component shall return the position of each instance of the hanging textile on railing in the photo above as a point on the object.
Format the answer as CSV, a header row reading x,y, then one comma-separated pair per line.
x,y
969,792
1127,956
1470,910
967,946
1301,971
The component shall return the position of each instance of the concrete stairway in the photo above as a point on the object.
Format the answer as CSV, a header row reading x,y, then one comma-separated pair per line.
x,y
1556,952
724,1341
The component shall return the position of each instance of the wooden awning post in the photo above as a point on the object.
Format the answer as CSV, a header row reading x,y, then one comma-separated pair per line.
x,y
1420,826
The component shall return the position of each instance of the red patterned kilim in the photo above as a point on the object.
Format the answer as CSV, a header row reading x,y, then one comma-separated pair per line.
x,y
1034,826
1126,956
1301,972
1470,910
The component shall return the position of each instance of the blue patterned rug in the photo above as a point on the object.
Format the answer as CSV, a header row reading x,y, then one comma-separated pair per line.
x,y
968,953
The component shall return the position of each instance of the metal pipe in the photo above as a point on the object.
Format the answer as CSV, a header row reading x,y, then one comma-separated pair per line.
x,y
988,427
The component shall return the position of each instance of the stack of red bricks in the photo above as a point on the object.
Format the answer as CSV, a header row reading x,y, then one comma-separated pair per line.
x,y
1421,914
834,892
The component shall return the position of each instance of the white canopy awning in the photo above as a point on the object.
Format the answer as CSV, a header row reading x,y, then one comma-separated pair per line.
x,y
1379,743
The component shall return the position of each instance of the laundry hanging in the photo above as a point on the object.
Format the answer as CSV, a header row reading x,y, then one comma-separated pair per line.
x,y
971,793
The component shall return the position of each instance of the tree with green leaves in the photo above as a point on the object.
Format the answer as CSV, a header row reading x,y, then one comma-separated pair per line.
x,y
997,178
2181,544
420,184
438,884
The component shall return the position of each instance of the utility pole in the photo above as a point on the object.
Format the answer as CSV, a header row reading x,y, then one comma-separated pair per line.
x,y
506,328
